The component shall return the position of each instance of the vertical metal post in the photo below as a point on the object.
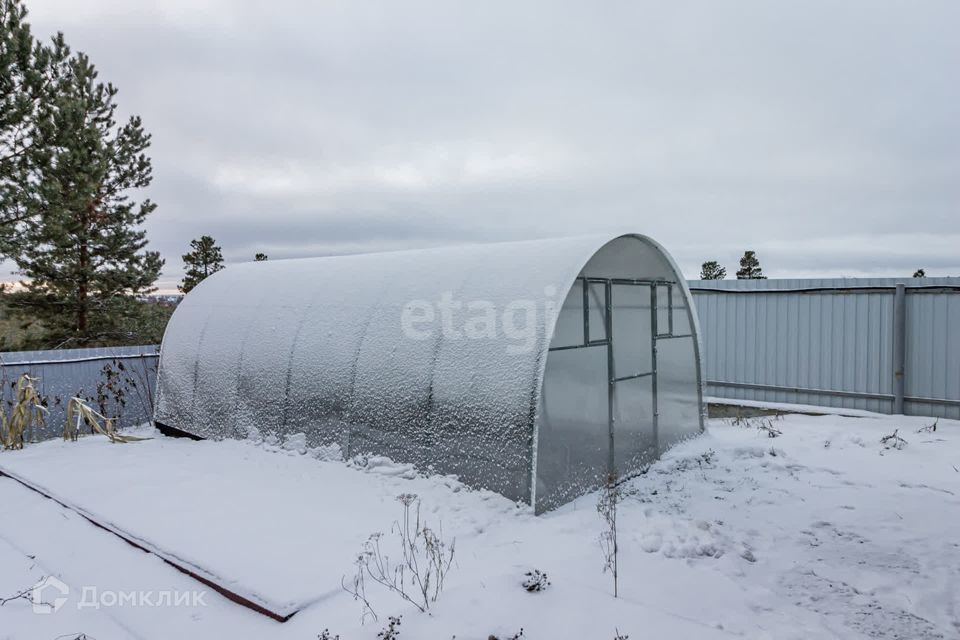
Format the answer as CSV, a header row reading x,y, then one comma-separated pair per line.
x,y
653,367
586,311
670,309
899,346
611,377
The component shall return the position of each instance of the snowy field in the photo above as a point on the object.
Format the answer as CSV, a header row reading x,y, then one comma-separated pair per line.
x,y
821,532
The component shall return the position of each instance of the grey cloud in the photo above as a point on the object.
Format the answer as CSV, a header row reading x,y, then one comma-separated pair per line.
x,y
714,127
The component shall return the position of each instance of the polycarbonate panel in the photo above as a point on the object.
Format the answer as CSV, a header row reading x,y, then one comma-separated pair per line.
x,y
261,384
634,439
380,355
486,391
321,364
664,325
597,304
569,328
681,314
632,350
677,390
180,354
436,357
572,433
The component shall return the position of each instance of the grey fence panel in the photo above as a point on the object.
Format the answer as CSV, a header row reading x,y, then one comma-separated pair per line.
x,y
64,373
830,342
933,353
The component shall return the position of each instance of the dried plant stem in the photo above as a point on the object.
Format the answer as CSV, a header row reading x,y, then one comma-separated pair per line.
x,y
425,561
78,411
610,496
27,413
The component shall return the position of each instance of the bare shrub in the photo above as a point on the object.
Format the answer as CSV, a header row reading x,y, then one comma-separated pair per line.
x,y
517,636
111,392
425,559
325,635
392,630
761,423
118,381
893,441
27,595
706,460
765,425
535,581
358,585
930,428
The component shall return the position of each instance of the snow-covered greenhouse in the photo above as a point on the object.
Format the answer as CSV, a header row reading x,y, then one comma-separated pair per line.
x,y
533,369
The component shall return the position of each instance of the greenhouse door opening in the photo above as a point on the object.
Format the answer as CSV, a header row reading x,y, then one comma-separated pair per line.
x,y
623,323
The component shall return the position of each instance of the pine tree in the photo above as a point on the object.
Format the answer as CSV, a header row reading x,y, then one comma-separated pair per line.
x,y
204,260
920,273
711,270
750,267
80,244
27,70
260,257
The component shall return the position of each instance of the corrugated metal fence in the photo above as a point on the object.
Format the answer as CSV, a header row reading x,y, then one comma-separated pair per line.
x,y
126,394
834,342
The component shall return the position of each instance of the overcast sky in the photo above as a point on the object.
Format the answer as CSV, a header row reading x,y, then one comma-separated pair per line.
x,y
823,135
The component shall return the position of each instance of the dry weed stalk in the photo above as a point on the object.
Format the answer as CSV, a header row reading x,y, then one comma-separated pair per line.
x,y
611,495
426,558
79,411
27,412
930,428
893,441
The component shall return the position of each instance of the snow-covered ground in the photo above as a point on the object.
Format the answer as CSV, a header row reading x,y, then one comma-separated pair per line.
x,y
818,533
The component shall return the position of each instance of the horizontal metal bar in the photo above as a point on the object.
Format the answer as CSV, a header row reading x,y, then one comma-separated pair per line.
x,y
832,392
624,281
824,392
640,282
579,346
633,377
664,336
31,363
886,289
943,401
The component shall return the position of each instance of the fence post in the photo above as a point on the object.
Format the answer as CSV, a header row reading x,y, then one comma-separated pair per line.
x,y
899,346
